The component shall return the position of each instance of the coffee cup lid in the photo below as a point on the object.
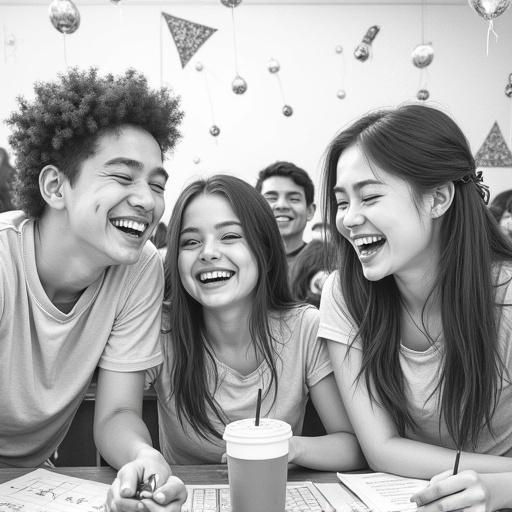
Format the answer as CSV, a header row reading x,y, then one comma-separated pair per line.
x,y
269,430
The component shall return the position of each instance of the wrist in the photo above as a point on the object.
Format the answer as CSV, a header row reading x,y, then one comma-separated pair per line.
x,y
295,450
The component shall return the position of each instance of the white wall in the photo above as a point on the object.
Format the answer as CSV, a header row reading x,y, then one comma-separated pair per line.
x,y
462,79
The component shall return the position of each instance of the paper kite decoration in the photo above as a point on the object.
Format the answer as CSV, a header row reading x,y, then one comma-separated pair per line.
x,y
494,151
188,36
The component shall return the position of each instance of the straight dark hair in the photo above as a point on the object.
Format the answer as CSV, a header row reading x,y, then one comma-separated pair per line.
x,y
423,146
190,351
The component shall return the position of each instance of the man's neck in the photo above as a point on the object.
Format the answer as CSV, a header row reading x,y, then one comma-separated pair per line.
x,y
293,245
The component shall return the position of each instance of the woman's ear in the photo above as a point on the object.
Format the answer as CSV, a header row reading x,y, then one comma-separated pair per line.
x,y
50,186
441,199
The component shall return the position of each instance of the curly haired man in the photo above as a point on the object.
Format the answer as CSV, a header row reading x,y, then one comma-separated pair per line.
x,y
79,286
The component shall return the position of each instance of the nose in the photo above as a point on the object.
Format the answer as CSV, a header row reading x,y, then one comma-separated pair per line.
x,y
142,196
209,251
281,203
352,216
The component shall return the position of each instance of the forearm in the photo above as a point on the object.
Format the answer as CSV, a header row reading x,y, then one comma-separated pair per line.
x,y
332,452
499,486
420,460
121,436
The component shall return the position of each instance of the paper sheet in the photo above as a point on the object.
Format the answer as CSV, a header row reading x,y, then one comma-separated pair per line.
x,y
45,491
383,492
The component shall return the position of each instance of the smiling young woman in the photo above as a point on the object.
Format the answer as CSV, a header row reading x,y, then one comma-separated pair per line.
x,y
417,318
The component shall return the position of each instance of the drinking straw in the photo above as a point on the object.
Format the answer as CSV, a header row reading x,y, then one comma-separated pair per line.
x,y
456,466
258,407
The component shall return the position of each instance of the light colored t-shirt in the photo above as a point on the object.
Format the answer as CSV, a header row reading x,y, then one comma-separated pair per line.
x,y
421,370
302,363
47,357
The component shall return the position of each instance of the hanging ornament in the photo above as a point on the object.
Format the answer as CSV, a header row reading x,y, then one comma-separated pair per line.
x,y
10,40
231,3
239,85
64,16
422,55
508,87
423,95
341,94
273,66
197,160
199,66
214,130
489,10
287,110
362,51
338,49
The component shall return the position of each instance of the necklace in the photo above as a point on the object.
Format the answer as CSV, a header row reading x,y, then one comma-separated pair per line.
x,y
422,331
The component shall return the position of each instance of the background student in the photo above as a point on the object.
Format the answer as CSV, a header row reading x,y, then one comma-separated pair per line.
x,y
231,327
79,285
418,319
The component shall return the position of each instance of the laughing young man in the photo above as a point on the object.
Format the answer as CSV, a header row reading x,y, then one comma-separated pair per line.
x,y
290,193
79,285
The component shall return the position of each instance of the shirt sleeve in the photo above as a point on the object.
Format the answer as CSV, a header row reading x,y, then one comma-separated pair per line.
x,y
336,323
318,364
133,344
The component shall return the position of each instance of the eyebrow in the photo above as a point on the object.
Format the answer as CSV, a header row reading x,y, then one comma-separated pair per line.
x,y
136,165
359,185
217,226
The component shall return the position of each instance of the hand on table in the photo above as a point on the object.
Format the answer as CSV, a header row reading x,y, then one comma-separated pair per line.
x,y
169,495
467,490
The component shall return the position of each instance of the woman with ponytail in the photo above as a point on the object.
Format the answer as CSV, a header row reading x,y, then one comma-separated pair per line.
x,y
418,318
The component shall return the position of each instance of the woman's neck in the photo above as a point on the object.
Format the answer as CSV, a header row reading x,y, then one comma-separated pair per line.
x,y
227,327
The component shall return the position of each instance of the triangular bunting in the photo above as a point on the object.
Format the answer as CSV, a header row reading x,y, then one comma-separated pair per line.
x,y
188,36
494,151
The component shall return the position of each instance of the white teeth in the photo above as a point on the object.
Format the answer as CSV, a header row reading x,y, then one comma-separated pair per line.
x,y
367,240
219,274
130,224
281,218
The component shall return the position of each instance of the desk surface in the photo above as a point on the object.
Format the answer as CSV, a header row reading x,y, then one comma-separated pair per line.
x,y
206,474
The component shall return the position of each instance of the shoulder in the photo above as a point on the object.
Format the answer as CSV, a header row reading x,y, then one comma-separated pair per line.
x,y
12,220
301,315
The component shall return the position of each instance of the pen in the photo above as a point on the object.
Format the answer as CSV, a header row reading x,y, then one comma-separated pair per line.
x,y
456,465
328,507
147,488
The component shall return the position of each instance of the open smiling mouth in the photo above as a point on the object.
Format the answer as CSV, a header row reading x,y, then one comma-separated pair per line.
x,y
369,245
215,277
130,227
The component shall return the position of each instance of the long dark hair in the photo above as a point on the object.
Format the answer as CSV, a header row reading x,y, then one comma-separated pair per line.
x,y
190,352
426,148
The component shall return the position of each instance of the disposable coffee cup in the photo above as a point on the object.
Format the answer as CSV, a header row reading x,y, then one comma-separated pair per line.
x,y
257,464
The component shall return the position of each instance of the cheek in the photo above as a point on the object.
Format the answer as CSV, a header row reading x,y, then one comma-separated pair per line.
x,y
342,230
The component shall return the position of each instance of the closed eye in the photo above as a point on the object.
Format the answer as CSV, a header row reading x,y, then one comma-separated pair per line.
x,y
189,243
122,177
369,199
231,236
157,187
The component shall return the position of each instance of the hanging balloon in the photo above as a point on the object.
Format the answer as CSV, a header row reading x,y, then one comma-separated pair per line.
x,y
197,160
273,66
423,95
199,66
341,94
10,40
362,51
231,3
239,85
489,9
64,16
338,49
422,55
508,90
287,110
214,130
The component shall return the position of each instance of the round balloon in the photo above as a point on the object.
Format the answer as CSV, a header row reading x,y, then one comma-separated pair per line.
x,y
199,66
214,130
508,90
273,66
490,9
338,49
341,94
231,3
423,95
64,16
287,110
422,55
239,85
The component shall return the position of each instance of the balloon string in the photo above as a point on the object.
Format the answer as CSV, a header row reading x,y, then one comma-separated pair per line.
x,y
234,40
209,96
280,87
342,86
422,21
65,52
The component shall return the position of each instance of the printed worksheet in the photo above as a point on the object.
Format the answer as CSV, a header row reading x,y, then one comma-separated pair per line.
x,y
45,491
383,492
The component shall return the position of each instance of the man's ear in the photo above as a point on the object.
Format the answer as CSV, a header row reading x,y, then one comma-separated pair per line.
x,y
311,209
51,182
441,199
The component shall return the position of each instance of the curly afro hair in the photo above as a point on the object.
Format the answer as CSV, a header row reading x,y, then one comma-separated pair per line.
x,y
63,124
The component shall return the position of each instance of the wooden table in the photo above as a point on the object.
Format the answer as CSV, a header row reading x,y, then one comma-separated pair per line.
x,y
204,474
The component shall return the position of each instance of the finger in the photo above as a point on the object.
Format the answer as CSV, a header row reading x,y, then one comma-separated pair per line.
x,y
173,490
129,476
439,489
128,505
463,500
441,476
